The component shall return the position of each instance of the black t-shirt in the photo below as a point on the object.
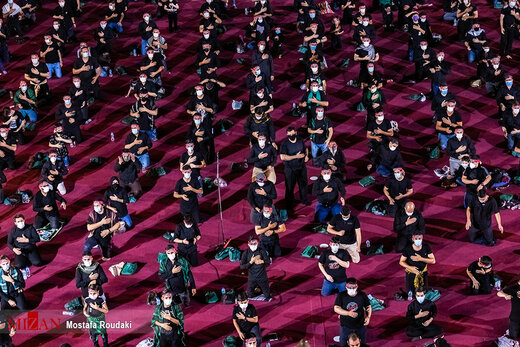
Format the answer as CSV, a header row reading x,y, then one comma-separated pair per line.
x,y
332,267
509,20
147,61
514,291
385,126
263,222
395,187
482,212
423,252
195,172
86,76
244,325
349,226
42,68
357,303
193,201
145,120
183,232
92,311
473,267
454,119
97,218
323,124
476,173
52,56
289,148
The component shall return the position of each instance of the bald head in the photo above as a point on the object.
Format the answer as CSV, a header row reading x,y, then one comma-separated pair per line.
x,y
409,207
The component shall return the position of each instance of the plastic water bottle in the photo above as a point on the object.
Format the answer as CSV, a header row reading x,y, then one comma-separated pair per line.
x,y
368,243
410,295
68,313
370,297
11,94
158,301
223,292
112,138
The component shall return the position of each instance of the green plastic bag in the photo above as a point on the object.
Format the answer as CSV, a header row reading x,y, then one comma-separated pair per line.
x,y
310,251
376,304
211,297
223,254
434,154
366,181
360,107
506,197
234,254
74,305
433,295
129,269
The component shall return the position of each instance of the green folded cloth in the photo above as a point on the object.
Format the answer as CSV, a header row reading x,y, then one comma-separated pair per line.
x,y
283,215
30,126
414,97
376,304
234,254
74,305
302,49
211,297
375,250
360,107
435,153
433,295
223,254
310,251
128,120
231,341
366,181
129,269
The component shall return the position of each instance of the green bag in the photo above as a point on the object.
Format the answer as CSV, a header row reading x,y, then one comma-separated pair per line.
x,y
310,251
376,304
283,215
414,97
302,49
223,254
234,254
230,341
129,269
95,160
516,180
433,295
360,107
131,199
211,297
375,250
74,305
199,70
321,229
366,181
168,236
506,197
156,172
128,120
434,154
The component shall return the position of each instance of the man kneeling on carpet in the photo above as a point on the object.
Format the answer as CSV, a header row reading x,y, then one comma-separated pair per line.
x,y
481,275
168,322
245,320
22,241
95,309
332,264
420,313
44,204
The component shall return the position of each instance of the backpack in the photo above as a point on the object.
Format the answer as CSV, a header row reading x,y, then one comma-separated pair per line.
x,y
229,297
433,295
231,341
211,297
234,254
121,70
500,179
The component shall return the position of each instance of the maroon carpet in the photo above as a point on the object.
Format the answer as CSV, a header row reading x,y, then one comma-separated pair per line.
x,y
298,310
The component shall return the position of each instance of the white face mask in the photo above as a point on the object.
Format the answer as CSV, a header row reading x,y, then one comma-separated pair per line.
x,y
253,247
187,175
261,143
450,108
5,267
409,214
417,242
420,299
87,263
266,214
262,2
34,61
381,118
260,95
326,177
397,175
111,7
261,47
260,20
314,70
190,149
167,302
319,115
197,121
459,136
373,90
150,56
206,15
516,110
512,4
146,18
206,36
188,225
366,44
315,89
351,292
155,35
61,4
52,159
199,92
48,42
24,89
496,66
56,27
97,209
67,101
103,26
440,58
464,165
85,54
77,84
472,165
334,249
46,189
362,10
243,306
423,47
392,148
365,23
423,20
20,225
171,256
486,50
135,131
261,184
258,116
93,296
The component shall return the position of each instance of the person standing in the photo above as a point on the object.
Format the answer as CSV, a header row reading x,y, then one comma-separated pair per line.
x,y
128,168
186,190
397,189
407,222
261,192
168,322
348,230
420,313
415,260
116,200
509,15
187,234
475,177
354,309
294,155
512,293
267,226
245,319
478,219
332,264
22,241
255,260
94,309
89,272
176,272
481,275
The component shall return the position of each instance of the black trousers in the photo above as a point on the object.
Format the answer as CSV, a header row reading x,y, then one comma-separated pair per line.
x,y
272,248
506,41
514,329
291,178
431,330
28,257
42,219
191,257
19,298
484,287
172,18
336,41
170,340
262,282
94,337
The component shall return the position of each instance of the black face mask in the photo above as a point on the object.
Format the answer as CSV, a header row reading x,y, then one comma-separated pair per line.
x,y
291,137
115,186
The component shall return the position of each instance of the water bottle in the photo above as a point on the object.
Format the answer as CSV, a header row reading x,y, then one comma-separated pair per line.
x,y
11,94
293,105
370,297
246,165
68,313
368,244
157,301
410,295
112,138
223,295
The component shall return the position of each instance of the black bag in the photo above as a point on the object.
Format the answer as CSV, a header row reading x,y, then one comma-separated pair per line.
x,y
229,297
121,70
221,126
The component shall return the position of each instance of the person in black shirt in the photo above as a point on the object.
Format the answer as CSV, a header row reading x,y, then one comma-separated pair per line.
x,y
7,329
152,66
53,172
320,129
261,193
171,7
88,69
440,100
168,322
422,56
355,311
114,16
145,30
511,125
397,189
187,234
347,229
128,168
315,74
512,293
328,190
103,35
101,225
267,226
509,15
200,103
458,147
407,222
494,76
69,116
178,276
507,95
37,74
44,203
139,143
15,122
335,159
475,38
313,99
25,100
278,40
255,260
116,200
336,31
386,158
420,313
415,260
22,241
263,156
446,120
261,103
58,142
8,147
257,80
201,134
481,275
95,308
332,264
145,111
52,55
186,190
58,34
467,13
257,124
478,219
379,131
365,54
193,159
294,155
144,84
79,95
438,69
475,177
89,272
245,319
208,62
64,13
12,285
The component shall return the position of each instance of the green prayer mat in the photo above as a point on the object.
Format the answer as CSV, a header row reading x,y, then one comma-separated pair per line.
x,y
310,251
47,234
156,172
366,181
127,120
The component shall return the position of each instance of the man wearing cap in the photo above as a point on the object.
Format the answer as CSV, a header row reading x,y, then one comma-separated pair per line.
x,y
415,259
175,271
397,189
145,30
261,193
335,159
89,70
53,171
44,203
69,116
407,222
22,240
267,226
144,110
128,168
332,264
25,100
104,35
89,272
245,321
186,189
328,190
478,219
37,74
12,285
320,129
255,260
263,156
187,235
152,66
353,307
50,52
458,147
294,155
475,177
481,276
138,143
101,225
347,229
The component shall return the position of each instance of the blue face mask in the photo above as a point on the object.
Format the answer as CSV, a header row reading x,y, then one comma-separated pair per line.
x,y
312,15
278,31
415,19
370,69
444,92
509,83
313,48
